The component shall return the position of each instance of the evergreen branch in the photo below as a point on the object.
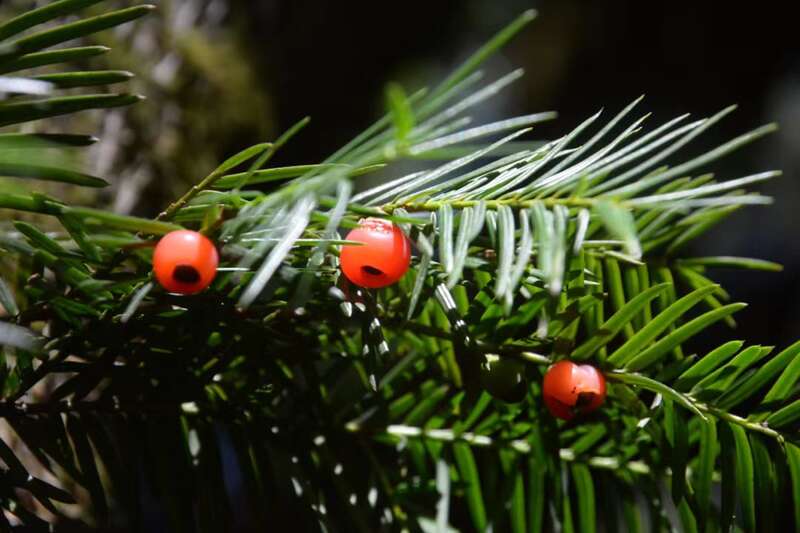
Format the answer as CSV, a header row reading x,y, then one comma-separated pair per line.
x,y
698,408
209,181
74,30
41,15
483,53
523,446
18,409
739,421
515,204
15,113
530,253
51,57
657,387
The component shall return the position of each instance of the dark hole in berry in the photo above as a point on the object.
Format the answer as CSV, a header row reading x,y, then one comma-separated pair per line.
x,y
371,270
584,400
186,274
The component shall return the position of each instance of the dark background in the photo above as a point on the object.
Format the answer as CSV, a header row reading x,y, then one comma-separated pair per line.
x,y
330,60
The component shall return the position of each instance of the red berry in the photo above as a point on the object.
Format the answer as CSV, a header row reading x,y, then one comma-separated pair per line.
x,y
185,262
383,258
571,389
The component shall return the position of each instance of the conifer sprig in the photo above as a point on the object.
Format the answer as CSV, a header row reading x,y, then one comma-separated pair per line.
x,y
368,410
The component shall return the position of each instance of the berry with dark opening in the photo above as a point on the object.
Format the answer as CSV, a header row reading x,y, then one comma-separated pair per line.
x,y
185,262
504,378
571,389
383,258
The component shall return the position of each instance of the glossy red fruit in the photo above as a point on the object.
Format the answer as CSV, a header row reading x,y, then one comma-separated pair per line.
x,y
571,389
383,258
185,262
